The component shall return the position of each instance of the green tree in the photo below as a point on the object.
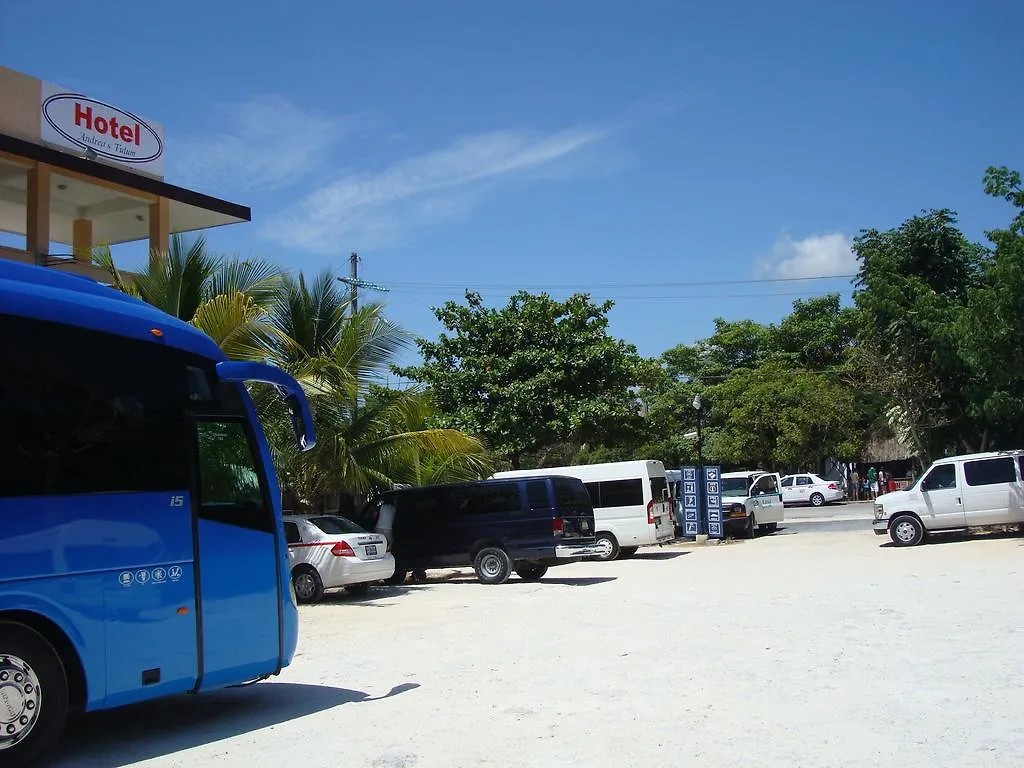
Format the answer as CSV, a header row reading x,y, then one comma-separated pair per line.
x,y
533,374
912,293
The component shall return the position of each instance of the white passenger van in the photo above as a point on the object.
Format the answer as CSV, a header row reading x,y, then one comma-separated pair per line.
x,y
632,504
751,501
974,490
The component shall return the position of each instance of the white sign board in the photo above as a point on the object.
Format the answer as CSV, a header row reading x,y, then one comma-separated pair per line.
x,y
78,123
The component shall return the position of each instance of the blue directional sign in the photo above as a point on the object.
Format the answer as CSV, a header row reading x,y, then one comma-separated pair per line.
x,y
713,500
691,501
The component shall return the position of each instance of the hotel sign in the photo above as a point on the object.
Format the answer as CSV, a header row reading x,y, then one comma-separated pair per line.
x,y
97,129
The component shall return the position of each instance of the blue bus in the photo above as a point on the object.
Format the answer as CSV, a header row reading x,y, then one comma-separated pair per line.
x,y
142,552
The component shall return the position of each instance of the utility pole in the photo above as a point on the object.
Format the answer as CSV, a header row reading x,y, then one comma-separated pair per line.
x,y
354,283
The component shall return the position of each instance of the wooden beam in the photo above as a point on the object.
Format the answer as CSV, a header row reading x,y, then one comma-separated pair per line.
x,y
82,240
37,224
159,228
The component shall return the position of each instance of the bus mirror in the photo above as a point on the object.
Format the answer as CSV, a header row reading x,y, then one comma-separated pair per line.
x,y
298,425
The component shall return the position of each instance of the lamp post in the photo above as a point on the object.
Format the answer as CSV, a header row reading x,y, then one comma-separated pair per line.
x,y
697,407
702,523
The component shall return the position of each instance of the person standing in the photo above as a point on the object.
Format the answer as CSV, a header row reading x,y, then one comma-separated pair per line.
x,y
855,485
872,482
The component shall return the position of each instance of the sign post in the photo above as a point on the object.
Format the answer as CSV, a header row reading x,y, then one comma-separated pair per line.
x,y
690,490
713,501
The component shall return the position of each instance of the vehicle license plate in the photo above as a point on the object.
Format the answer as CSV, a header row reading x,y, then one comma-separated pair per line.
x,y
371,549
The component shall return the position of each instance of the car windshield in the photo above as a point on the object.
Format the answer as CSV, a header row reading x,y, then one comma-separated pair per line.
x,y
336,525
735,486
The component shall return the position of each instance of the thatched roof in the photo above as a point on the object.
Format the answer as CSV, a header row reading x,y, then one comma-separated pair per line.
x,y
882,448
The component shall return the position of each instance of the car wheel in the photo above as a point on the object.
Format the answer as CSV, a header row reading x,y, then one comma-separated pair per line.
x,y
772,527
751,529
309,588
492,565
627,551
34,690
817,499
608,547
906,531
531,571
358,589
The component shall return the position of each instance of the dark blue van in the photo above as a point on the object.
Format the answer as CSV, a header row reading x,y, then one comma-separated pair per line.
x,y
496,526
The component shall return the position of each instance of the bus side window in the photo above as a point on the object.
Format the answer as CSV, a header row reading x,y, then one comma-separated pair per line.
x,y
230,487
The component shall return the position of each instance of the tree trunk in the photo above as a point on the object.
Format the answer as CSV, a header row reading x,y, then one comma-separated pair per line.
x,y
514,458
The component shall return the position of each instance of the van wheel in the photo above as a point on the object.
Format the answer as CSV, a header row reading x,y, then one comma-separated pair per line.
x,y
751,530
817,499
608,546
398,577
34,689
309,588
772,527
906,531
531,571
627,551
492,565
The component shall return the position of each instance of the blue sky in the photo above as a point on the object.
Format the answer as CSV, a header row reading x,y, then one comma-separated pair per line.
x,y
619,148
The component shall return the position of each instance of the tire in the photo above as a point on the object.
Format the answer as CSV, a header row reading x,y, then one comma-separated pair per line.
x,y
358,589
32,678
492,565
609,545
906,531
751,530
419,576
817,500
309,587
531,571
627,551
398,577
772,527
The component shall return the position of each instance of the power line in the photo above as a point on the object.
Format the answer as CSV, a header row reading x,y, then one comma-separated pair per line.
x,y
660,284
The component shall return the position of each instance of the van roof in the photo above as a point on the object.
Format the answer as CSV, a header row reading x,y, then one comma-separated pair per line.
x,y
466,483
745,473
986,455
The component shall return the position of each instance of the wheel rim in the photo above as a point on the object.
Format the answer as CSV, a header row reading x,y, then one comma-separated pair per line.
x,y
20,700
906,532
490,566
604,548
305,586
817,499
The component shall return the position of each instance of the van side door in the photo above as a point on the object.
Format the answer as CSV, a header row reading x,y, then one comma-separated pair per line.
x,y
989,486
942,498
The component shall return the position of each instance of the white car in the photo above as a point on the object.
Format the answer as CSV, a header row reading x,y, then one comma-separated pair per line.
x,y
329,551
810,489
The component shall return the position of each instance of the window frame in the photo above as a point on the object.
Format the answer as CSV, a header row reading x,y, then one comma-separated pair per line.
x,y
990,460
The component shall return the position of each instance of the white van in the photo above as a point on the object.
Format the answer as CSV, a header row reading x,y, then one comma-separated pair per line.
x,y
632,504
959,492
752,501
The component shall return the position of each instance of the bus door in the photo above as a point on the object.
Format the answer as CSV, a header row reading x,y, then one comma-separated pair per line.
x,y
238,556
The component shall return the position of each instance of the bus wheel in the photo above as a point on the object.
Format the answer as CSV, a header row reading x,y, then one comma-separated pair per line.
x,y
33,695
309,588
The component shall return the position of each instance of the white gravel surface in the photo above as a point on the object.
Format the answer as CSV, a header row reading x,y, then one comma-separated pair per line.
x,y
813,649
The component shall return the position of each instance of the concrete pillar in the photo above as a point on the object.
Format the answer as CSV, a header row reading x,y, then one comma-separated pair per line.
x,y
82,240
37,237
159,228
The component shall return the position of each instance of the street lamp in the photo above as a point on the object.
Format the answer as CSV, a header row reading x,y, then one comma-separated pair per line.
x,y
700,458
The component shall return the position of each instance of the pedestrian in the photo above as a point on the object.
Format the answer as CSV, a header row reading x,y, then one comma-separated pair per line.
x,y
872,482
855,485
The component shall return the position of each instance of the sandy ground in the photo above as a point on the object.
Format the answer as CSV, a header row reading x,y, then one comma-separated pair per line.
x,y
792,650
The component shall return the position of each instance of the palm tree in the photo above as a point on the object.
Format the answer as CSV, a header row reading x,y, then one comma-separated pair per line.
x,y
228,298
370,438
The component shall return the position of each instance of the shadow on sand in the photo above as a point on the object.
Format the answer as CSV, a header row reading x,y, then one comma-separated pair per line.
x,y
128,735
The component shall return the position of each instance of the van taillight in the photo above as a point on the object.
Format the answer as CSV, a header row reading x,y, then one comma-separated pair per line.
x,y
558,526
650,512
342,549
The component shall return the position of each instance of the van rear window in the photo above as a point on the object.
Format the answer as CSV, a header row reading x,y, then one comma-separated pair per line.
x,y
571,494
659,485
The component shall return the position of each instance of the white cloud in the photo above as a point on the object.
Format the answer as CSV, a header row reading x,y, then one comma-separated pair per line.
x,y
266,143
813,256
367,210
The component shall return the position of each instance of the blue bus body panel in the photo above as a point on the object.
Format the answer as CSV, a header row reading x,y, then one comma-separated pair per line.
x,y
101,566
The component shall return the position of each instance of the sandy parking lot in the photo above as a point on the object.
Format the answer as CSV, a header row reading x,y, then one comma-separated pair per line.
x,y
793,650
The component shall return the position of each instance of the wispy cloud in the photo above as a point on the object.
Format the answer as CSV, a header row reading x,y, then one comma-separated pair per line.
x,y
374,209
813,256
263,144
